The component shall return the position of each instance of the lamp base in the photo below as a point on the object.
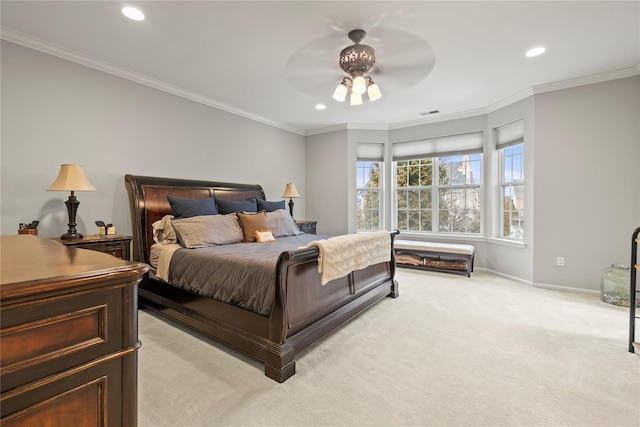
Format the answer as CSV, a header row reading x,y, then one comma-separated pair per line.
x,y
71,236
291,207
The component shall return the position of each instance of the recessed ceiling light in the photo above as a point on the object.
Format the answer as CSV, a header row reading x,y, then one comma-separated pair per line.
x,y
535,51
320,107
133,13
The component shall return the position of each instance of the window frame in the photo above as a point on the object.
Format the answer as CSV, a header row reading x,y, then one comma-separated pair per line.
x,y
435,189
370,190
370,153
513,184
507,138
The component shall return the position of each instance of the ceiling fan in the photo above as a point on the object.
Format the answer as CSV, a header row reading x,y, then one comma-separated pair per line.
x,y
400,61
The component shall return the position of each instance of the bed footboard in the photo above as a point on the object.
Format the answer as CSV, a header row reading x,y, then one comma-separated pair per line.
x,y
306,311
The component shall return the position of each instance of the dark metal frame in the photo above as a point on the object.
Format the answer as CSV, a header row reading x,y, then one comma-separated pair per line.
x,y
633,291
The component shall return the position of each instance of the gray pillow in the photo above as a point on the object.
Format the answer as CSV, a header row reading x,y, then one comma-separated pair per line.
x,y
232,206
281,224
208,230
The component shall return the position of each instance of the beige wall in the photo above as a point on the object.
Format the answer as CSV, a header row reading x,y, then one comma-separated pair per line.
x,y
55,111
587,186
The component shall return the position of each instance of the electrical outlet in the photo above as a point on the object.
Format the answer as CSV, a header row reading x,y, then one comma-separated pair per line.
x,y
560,261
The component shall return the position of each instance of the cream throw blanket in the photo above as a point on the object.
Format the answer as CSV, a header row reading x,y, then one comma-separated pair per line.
x,y
342,254
161,258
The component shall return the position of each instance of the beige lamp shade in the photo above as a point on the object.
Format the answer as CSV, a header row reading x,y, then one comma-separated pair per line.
x,y
290,191
71,178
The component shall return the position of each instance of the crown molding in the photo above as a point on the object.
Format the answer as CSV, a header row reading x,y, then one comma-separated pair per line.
x,y
438,118
587,80
88,61
347,126
97,64
328,129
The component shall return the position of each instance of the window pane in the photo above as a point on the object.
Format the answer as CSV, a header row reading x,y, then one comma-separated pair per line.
x,y
425,221
425,199
512,180
402,220
414,175
457,187
425,172
413,219
413,199
368,202
402,199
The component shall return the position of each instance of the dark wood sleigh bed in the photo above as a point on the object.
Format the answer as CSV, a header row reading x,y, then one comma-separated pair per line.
x,y
303,311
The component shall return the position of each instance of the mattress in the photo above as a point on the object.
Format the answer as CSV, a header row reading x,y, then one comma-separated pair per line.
x,y
241,274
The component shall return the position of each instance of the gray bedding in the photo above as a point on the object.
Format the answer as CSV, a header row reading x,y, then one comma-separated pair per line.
x,y
241,274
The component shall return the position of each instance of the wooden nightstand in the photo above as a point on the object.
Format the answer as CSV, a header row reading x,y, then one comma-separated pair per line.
x,y
307,227
117,245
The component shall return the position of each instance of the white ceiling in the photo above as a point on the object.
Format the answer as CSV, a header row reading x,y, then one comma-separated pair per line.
x,y
274,61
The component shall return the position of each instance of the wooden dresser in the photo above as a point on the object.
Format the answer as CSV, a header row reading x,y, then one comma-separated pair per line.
x,y
69,335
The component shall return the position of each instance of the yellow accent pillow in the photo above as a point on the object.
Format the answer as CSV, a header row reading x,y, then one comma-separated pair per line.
x,y
252,222
264,236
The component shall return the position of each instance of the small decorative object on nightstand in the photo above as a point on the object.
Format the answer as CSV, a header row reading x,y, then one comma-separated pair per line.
x,y
114,244
307,227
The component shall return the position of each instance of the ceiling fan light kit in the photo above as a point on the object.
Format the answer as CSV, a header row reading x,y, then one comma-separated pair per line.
x,y
357,60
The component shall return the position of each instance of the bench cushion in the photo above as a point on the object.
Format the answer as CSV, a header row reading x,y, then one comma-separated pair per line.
x,y
450,248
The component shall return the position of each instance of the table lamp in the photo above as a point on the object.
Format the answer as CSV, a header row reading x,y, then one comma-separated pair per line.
x,y
290,191
71,178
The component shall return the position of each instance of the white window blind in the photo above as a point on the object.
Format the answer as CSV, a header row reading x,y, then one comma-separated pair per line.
x,y
370,152
510,134
467,143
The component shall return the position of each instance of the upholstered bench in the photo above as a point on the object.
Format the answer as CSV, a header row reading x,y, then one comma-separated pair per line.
x,y
447,257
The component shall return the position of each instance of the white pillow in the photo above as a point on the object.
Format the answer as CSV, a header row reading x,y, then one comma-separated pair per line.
x,y
163,231
281,224
208,230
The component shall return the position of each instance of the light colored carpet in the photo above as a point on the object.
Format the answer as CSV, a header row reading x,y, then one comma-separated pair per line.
x,y
450,351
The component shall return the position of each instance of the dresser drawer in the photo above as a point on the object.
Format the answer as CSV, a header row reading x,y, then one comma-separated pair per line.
x,y
116,249
45,337
76,397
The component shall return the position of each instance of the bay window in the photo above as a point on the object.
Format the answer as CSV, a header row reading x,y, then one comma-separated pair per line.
x,y
438,184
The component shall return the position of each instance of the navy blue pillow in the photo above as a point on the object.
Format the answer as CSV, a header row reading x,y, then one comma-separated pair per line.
x,y
231,206
186,208
263,205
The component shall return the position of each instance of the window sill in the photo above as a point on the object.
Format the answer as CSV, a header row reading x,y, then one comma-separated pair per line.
x,y
462,238
442,237
507,242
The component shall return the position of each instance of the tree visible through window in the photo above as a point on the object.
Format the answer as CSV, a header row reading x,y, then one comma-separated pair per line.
x,y
510,147
450,204
368,195
512,182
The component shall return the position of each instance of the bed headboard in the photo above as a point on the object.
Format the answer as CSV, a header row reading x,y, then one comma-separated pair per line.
x,y
148,202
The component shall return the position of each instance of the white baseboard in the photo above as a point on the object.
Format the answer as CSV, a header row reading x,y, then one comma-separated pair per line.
x,y
543,285
566,289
